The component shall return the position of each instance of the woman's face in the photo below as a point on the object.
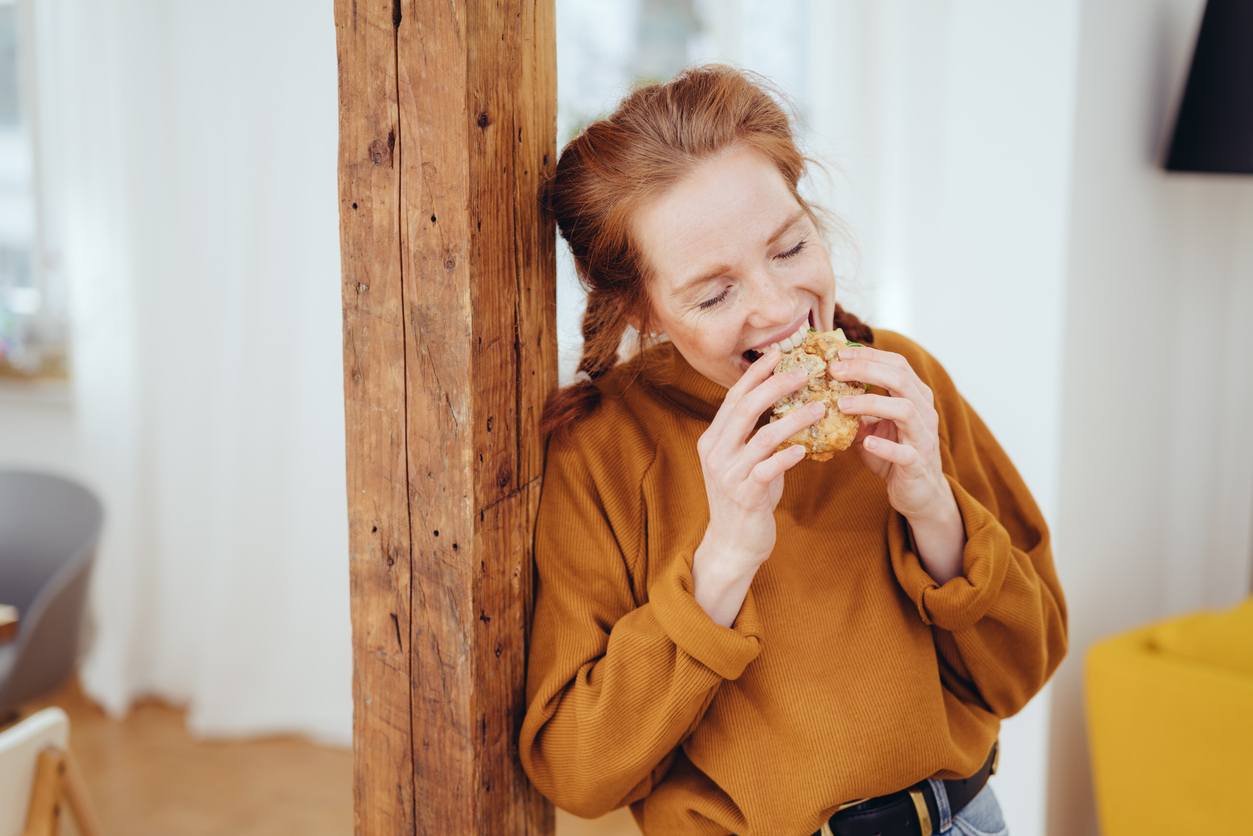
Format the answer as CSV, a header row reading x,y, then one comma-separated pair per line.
x,y
737,264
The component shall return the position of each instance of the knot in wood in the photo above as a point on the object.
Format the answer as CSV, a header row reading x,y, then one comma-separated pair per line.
x,y
379,153
483,121
449,264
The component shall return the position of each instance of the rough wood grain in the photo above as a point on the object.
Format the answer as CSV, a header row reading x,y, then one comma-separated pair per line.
x,y
535,160
374,398
477,265
467,354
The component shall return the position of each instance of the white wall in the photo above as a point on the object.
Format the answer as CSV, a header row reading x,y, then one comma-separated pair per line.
x,y
37,429
1156,482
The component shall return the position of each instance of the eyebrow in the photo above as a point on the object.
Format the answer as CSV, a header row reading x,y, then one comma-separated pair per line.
x,y
717,270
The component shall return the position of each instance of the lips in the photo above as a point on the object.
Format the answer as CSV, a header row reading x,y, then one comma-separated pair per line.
x,y
788,343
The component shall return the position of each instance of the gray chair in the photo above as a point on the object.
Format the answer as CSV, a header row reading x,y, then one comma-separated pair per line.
x,y
49,528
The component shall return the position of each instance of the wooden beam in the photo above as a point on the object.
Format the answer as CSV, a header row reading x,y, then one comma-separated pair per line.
x,y
374,417
447,128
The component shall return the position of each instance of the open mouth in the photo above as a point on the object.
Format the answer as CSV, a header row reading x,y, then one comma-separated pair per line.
x,y
752,355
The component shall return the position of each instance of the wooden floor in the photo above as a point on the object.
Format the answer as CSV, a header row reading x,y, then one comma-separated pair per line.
x,y
617,823
148,777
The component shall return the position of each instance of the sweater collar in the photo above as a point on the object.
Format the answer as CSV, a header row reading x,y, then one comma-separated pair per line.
x,y
684,386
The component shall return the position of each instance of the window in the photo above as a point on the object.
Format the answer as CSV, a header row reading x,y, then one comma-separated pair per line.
x,y
32,324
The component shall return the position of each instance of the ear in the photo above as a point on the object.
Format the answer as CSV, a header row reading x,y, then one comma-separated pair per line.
x,y
636,319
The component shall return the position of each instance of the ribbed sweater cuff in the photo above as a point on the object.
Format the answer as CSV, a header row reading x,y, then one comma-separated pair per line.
x,y
724,650
966,598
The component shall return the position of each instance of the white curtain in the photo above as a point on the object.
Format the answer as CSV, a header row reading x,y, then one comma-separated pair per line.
x,y
189,155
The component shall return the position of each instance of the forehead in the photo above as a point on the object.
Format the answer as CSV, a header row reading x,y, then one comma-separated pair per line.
x,y
726,208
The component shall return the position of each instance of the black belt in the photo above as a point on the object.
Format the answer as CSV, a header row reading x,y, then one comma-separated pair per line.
x,y
909,812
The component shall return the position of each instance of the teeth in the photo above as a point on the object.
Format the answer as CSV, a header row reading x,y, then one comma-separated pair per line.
x,y
794,340
791,342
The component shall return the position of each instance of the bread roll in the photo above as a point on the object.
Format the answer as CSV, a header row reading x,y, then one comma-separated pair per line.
x,y
835,430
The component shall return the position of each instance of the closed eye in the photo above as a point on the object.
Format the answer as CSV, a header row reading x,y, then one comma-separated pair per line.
x,y
792,253
709,303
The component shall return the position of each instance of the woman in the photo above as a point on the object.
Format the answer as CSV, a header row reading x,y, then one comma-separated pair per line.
x,y
727,638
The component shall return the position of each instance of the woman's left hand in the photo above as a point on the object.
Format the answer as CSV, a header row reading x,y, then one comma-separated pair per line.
x,y
903,447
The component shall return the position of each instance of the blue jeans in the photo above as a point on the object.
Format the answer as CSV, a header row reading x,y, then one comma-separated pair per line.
x,y
981,817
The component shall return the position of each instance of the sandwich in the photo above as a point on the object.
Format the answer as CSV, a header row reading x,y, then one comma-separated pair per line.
x,y
835,431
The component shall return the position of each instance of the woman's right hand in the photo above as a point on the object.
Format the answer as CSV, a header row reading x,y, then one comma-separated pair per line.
x,y
743,483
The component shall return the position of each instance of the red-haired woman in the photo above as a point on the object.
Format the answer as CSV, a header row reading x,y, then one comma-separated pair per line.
x,y
727,638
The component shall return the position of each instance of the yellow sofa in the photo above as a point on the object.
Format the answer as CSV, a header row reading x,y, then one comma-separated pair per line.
x,y
1170,725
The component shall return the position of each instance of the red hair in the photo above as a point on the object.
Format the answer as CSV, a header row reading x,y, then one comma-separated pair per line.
x,y
654,139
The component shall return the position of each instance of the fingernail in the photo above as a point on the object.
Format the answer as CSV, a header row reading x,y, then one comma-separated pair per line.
x,y
844,403
846,353
872,443
799,374
839,367
817,409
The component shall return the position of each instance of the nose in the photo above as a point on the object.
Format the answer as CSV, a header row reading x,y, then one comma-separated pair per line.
x,y
770,305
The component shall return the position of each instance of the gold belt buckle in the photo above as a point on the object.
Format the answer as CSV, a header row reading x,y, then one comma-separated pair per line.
x,y
825,830
915,795
924,815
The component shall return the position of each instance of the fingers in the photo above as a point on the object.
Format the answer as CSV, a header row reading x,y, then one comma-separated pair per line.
x,y
918,427
772,435
745,413
891,451
767,471
761,368
884,369
912,404
907,435
752,395
741,461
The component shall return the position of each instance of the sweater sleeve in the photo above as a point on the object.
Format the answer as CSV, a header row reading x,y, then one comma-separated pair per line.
x,y
1000,626
613,687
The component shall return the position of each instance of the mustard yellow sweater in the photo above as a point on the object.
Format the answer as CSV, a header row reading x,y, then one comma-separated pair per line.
x,y
848,672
